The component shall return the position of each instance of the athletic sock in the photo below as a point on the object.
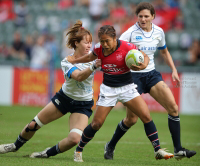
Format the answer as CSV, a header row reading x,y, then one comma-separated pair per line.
x,y
20,142
174,128
119,132
53,151
152,134
87,135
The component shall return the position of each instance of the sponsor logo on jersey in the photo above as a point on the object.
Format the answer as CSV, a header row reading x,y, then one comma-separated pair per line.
x,y
110,65
119,57
144,48
155,38
114,69
138,38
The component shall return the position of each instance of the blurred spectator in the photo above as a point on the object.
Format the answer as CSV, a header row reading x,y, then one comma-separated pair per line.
x,y
165,15
21,12
65,51
173,3
52,47
178,23
18,48
85,3
28,46
4,51
131,9
194,53
185,41
42,23
118,11
160,5
130,19
40,57
64,4
96,9
6,12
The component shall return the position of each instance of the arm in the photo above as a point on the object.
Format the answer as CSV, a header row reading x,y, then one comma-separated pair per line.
x,y
146,60
84,74
84,59
168,59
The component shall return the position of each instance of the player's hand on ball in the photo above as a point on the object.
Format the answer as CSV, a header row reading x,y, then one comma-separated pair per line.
x,y
140,66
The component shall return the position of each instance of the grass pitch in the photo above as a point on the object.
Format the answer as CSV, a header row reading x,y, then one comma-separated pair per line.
x,y
133,149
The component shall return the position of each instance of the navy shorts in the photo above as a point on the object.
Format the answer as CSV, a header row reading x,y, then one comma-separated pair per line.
x,y
146,80
66,104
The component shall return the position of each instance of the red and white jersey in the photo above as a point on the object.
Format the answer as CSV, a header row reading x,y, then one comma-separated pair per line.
x,y
116,73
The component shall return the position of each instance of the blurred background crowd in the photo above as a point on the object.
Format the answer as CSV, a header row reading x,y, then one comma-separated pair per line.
x,y
33,32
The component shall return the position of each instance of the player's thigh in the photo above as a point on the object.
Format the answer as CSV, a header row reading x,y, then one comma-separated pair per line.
x,y
138,106
101,113
49,113
78,121
163,95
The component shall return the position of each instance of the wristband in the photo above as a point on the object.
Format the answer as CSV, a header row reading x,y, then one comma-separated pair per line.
x,y
93,67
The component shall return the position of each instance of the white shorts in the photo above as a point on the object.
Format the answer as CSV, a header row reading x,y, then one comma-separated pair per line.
x,y
109,96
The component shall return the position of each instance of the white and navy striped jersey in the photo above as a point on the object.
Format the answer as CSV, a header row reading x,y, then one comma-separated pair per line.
x,y
148,42
81,91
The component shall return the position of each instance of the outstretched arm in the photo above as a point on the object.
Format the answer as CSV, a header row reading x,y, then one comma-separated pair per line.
x,y
168,59
84,74
84,59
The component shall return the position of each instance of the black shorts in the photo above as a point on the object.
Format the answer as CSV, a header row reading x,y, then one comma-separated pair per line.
x,y
146,80
66,104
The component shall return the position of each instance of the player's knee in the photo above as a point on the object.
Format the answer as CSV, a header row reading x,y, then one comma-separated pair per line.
x,y
173,109
130,121
146,118
74,139
75,136
34,125
96,125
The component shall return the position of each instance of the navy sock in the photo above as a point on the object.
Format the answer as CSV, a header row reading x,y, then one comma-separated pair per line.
x,y
152,134
87,135
53,151
174,127
119,132
20,142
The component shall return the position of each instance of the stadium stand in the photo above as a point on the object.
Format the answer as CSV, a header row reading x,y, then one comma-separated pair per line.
x,y
44,17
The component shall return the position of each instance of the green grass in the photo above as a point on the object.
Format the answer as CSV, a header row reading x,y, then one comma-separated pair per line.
x,y
133,149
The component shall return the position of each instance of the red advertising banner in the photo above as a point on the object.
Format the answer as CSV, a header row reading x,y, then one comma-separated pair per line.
x,y
98,78
30,87
59,80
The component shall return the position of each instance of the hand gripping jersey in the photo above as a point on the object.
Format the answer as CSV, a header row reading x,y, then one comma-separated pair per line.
x,y
116,73
148,42
81,91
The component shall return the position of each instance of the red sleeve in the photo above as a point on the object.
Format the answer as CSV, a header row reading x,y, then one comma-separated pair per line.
x,y
130,46
96,50
133,46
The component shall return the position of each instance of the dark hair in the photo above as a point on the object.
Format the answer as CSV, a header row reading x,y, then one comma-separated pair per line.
x,y
145,5
76,33
108,30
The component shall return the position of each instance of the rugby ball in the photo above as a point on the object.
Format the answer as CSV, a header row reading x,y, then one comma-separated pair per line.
x,y
133,57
